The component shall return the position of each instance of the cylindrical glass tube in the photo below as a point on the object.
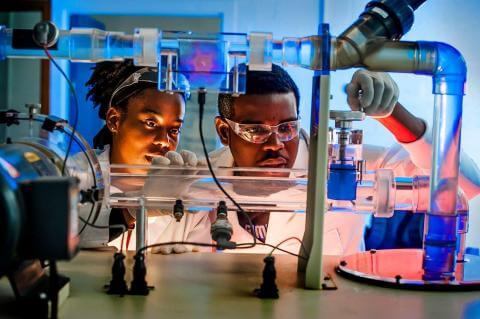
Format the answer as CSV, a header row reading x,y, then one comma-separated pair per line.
x,y
381,194
81,45
305,52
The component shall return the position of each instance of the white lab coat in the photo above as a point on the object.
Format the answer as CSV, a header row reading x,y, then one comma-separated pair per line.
x,y
161,228
343,233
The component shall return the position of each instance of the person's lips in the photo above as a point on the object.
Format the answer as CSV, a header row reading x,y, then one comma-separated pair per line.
x,y
277,162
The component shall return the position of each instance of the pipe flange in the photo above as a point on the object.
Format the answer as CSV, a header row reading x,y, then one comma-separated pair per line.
x,y
338,115
399,10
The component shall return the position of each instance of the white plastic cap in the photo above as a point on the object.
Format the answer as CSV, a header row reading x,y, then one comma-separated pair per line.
x,y
260,53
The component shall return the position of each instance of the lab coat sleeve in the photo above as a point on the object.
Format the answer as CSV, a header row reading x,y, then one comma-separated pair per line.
x,y
200,232
420,153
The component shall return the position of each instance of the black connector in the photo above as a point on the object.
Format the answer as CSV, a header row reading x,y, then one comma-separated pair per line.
x,y
51,123
139,284
118,285
221,230
268,289
91,195
178,210
45,34
222,210
9,117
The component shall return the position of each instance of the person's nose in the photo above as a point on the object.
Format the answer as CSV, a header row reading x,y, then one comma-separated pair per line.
x,y
273,143
162,139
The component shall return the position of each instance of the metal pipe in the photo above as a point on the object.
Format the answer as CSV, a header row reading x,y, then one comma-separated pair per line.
x,y
141,225
388,19
448,70
317,169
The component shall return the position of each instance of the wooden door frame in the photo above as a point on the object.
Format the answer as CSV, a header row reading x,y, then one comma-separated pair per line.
x,y
44,6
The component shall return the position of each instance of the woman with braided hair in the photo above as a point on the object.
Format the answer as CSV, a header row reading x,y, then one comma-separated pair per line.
x,y
142,125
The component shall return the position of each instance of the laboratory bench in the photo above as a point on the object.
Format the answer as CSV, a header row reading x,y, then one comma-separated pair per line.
x,y
220,285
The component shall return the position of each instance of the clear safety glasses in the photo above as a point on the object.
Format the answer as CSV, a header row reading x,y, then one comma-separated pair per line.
x,y
260,133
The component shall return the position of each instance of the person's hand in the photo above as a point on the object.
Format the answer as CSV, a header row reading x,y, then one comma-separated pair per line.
x,y
183,158
175,180
169,249
374,93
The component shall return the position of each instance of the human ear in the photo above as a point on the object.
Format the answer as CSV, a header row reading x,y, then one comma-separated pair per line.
x,y
112,119
223,130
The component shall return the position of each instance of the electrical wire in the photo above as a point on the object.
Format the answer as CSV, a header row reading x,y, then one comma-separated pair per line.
x,y
122,227
84,151
87,221
74,94
247,245
201,106
288,239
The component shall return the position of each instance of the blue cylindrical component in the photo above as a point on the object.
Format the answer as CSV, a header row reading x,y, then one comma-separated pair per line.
x,y
439,248
342,181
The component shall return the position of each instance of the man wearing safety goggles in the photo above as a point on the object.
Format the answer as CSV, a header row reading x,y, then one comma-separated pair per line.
x,y
262,129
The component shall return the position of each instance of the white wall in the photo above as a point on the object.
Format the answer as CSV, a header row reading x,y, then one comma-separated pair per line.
x,y
453,22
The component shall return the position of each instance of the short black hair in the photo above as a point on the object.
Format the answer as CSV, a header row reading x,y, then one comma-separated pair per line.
x,y
263,83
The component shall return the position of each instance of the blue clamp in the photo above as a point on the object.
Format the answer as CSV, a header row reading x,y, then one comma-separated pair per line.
x,y
342,182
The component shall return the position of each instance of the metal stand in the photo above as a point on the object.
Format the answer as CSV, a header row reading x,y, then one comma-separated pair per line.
x,y
141,225
32,290
317,170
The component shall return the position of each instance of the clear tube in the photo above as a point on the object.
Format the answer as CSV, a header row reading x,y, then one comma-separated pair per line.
x,y
277,190
304,52
80,45
441,222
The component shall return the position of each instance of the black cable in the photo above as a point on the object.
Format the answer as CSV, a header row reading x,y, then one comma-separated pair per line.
x,y
201,105
277,246
247,245
84,151
124,229
75,118
87,222
53,288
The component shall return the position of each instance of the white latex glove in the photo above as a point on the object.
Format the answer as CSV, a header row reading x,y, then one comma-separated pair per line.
x,y
169,249
379,93
184,158
169,186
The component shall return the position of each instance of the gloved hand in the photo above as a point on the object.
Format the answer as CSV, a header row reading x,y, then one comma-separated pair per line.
x,y
161,183
169,249
379,93
184,158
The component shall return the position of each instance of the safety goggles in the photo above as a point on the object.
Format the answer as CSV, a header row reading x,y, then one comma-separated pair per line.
x,y
260,133
149,75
